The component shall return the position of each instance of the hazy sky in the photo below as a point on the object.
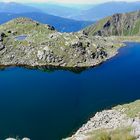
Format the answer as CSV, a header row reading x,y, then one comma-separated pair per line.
x,y
68,1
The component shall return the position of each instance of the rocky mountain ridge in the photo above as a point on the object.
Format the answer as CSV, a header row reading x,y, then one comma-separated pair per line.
x,y
126,24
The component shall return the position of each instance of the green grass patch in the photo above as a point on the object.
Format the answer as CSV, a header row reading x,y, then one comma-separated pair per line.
x,y
131,110
118,134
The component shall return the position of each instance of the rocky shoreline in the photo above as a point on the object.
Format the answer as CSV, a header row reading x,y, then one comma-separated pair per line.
x,y
110,120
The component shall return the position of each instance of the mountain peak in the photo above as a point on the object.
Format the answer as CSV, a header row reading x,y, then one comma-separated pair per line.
x,y
23,20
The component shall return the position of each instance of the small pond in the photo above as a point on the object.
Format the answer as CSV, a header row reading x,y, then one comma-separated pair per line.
x,y
21,37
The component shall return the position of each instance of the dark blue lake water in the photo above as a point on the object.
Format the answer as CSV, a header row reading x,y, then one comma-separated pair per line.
x,y
50,106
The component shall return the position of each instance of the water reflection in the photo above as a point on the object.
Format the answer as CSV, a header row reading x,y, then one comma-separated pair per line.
x,y
48,69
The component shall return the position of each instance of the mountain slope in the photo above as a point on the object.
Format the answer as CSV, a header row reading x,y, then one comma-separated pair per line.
x,y
127,24
61,24
12,7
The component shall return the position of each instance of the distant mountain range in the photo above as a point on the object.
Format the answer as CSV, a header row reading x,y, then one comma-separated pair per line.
x,y
89,13
63,17
76,12
57,10
13,10
61,24
107,9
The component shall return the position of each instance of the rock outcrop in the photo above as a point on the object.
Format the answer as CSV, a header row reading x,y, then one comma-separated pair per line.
x,y
2,36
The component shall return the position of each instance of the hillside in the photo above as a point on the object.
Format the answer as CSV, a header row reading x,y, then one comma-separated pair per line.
x,y
127,24
61,24
27,42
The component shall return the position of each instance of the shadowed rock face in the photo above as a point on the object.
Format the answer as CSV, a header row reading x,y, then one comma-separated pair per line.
x,y
126,24
2,36
43,46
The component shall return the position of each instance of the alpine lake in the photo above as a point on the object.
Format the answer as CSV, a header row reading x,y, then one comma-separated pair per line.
x,y
51,104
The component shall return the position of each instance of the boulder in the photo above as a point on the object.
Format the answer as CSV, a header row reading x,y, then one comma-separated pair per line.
x,y
51,27
46,48
77,44
41,55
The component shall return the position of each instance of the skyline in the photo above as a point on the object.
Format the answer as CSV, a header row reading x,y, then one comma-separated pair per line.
x,y
67,1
